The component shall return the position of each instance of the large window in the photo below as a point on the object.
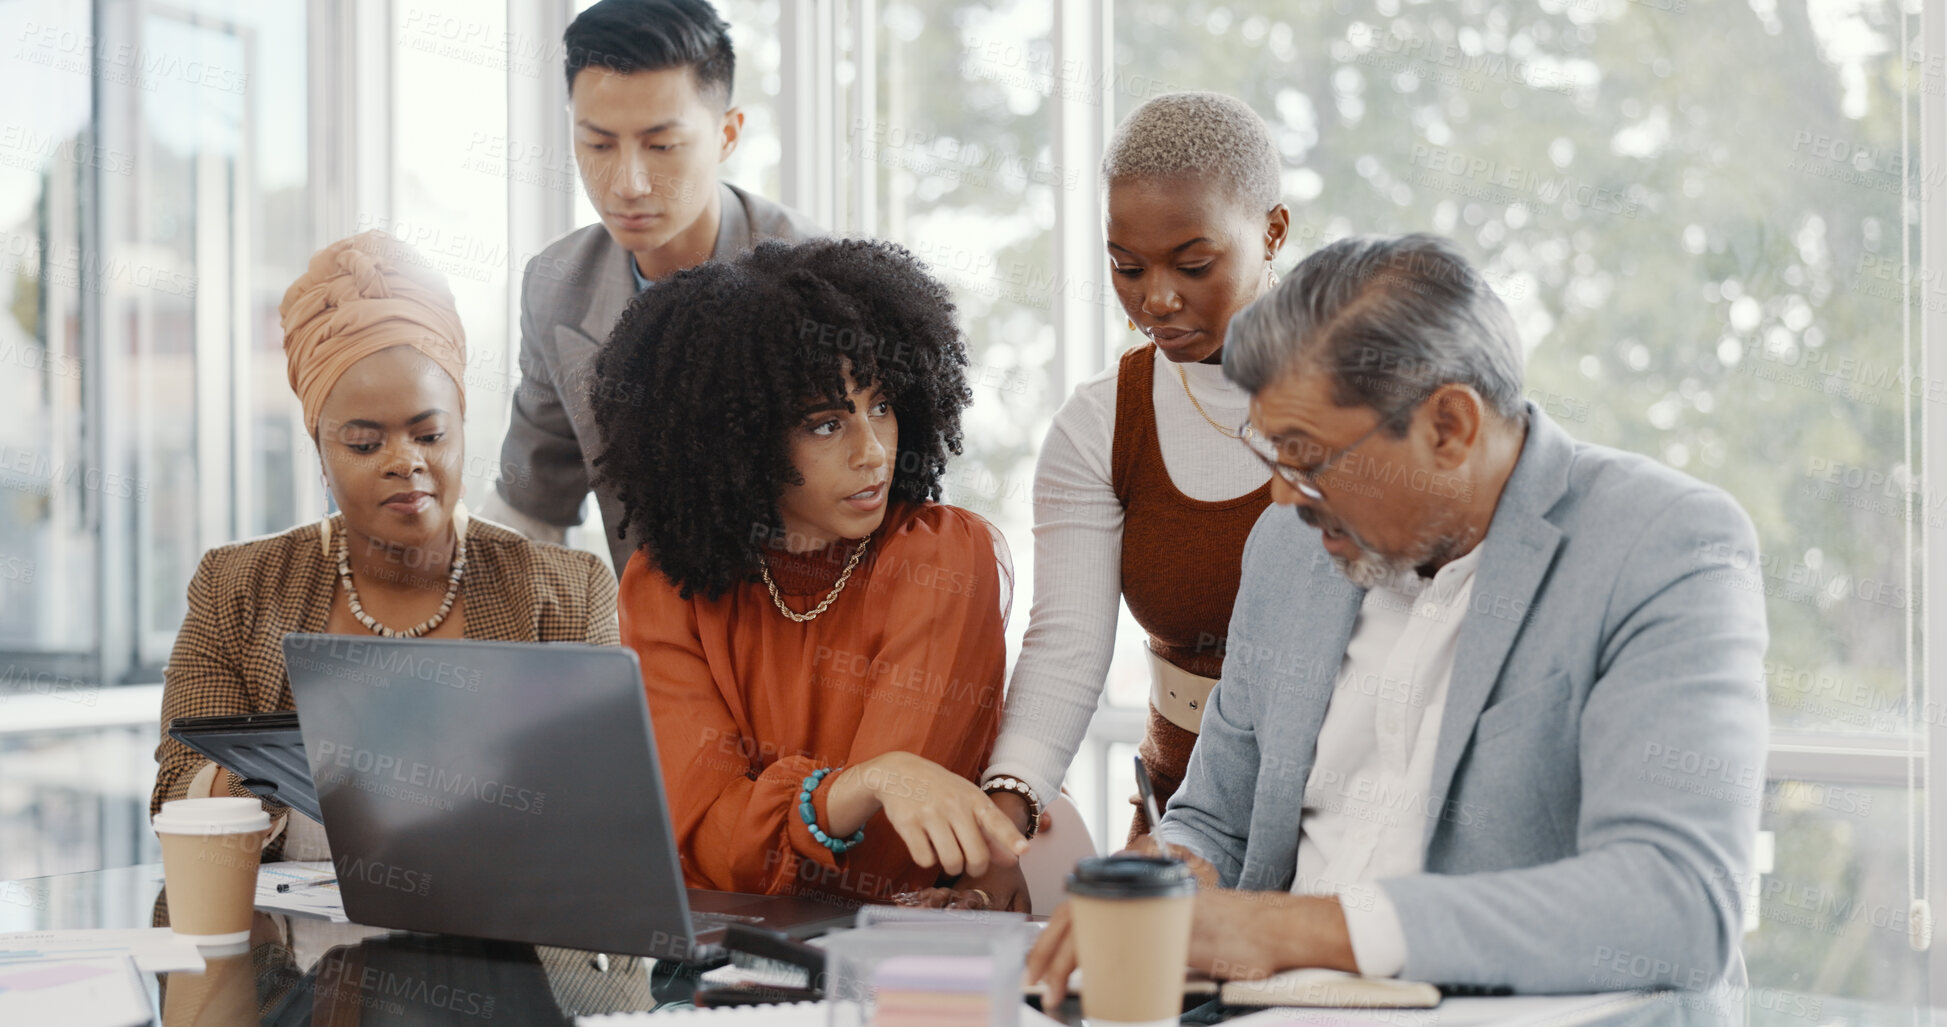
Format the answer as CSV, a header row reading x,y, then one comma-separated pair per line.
x,y
48,156
155,201
452,167
1700,215
961,176
1705,214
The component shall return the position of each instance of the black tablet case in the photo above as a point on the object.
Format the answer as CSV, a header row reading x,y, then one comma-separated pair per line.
x,y
264,750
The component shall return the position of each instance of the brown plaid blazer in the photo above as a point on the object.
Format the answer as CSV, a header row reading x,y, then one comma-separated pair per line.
x,y
246,596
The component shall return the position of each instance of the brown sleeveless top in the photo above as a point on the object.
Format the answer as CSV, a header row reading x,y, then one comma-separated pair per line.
x,y
1181,557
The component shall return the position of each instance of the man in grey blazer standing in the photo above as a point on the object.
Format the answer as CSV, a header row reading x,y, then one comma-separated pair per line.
x,y
1492,711
649,86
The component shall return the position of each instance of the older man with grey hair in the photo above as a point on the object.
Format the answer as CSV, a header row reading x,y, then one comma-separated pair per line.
x,y
1492,712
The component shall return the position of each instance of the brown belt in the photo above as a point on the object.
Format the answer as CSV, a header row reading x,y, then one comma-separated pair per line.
x,y
1179,695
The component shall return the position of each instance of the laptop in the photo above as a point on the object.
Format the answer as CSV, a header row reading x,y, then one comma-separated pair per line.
x,y
507,790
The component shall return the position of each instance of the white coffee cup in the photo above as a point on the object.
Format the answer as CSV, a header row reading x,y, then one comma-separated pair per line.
x,y
210,851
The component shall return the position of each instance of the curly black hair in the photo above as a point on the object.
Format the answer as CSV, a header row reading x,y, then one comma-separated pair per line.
x,y
709,370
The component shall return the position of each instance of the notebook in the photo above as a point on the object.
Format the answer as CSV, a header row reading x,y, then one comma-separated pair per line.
x,y
1311,987
1314,987
1511,1011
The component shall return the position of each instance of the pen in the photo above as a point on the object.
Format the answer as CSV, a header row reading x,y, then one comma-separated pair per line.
x,y
1148,794
289,886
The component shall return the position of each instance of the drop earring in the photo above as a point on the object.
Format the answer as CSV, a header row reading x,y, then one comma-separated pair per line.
x,y
324,523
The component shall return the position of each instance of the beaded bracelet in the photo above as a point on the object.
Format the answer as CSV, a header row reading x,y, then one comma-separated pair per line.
x,y
1007,783
810,814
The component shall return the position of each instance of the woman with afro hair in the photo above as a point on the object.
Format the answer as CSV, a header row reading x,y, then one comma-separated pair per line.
x,y
821,639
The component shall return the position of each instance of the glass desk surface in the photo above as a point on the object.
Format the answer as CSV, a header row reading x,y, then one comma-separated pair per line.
x,y
300,970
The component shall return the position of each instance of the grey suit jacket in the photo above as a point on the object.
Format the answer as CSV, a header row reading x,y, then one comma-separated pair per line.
x,y
571,296
1600,764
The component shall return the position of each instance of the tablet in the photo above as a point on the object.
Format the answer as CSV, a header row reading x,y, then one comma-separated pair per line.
x,y
264,750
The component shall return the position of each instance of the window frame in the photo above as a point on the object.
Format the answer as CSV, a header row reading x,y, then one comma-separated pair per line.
x,y
1918,767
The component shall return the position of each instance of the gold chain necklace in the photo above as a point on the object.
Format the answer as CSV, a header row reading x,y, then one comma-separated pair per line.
x,y
812,614
1226,432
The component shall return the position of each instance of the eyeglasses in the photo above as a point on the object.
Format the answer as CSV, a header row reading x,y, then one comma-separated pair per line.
x,y
1305,479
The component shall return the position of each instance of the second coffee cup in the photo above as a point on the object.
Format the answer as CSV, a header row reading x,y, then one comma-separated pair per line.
x,y
1132,937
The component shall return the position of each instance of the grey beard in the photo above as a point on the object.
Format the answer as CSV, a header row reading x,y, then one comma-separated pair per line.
x,y
1368,568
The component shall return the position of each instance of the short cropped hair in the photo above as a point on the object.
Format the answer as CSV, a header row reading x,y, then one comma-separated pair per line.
x,y
1198,135
627,36
1389,319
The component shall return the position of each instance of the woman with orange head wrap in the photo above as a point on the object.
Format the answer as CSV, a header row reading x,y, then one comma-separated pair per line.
x,y
377,358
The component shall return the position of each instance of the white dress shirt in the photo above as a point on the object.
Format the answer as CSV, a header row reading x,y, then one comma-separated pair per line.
x,y
1366,801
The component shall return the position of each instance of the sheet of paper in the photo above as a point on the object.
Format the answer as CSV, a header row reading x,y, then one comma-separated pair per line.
x,y
155,949
98,991
797,1014
732,975
1513,1011
314,890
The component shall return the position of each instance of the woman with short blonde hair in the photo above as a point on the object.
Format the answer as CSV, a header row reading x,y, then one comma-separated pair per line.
x,y
1143,493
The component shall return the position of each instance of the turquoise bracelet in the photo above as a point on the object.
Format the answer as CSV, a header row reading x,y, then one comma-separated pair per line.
x,y
810,814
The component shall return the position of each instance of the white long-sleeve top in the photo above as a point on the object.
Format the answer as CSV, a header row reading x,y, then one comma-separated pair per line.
x,y
1071,632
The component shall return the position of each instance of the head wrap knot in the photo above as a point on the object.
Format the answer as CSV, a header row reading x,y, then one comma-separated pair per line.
x,y
359,296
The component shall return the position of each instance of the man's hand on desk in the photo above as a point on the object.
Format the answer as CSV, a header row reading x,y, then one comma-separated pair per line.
x,y
1200,868
1242,935
1234,935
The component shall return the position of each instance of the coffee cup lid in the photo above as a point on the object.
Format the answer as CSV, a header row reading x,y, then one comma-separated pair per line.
x,y
211,816
1131,877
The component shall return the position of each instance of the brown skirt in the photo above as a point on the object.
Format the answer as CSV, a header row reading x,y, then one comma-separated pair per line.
x,y
1165,750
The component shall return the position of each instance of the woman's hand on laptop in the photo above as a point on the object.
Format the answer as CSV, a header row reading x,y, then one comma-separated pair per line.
x,y
944,819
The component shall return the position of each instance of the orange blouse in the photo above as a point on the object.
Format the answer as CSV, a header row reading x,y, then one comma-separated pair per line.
x,y
910,657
